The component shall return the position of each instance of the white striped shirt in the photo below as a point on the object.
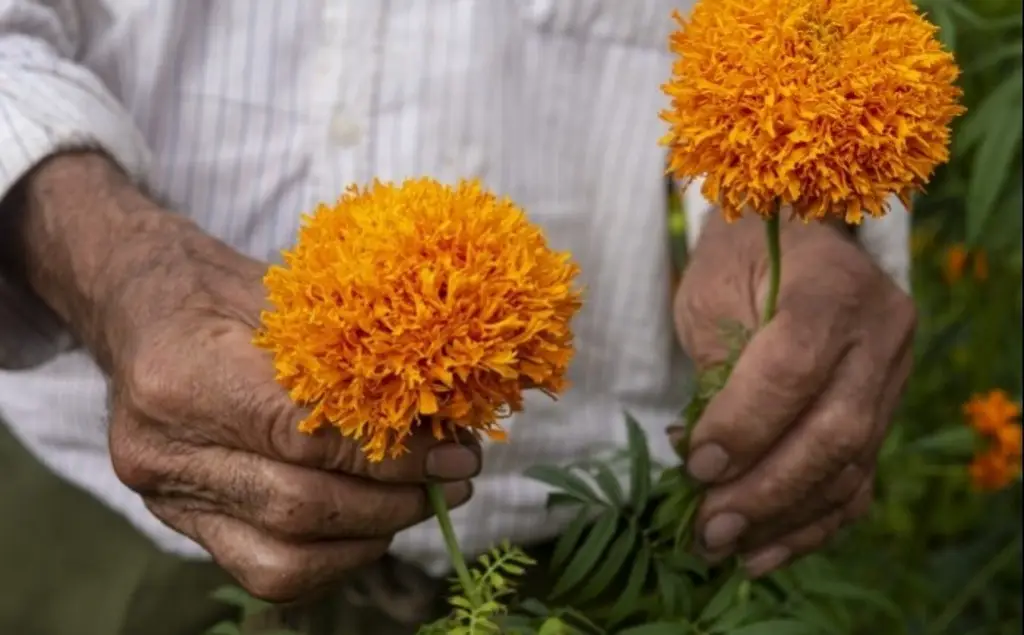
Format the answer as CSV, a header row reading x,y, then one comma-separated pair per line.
x,y
246,113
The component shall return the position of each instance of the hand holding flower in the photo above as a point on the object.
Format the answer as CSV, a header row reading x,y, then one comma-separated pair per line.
x,y
789,445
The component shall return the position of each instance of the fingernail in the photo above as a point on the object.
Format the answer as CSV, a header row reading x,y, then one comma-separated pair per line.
x,y
707,462
455,494
723,530
453,462
766,560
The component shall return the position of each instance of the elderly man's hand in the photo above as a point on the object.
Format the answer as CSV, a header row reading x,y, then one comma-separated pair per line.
x,y
789,446
199,427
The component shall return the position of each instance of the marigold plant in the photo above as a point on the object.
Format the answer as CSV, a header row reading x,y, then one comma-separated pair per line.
x,y
418,302
824,106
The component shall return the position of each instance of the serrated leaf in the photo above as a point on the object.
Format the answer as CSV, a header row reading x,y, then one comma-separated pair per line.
x,y
561,499
623,545
640,464
568,541
990,170
586,557
626,602
564,480
775,627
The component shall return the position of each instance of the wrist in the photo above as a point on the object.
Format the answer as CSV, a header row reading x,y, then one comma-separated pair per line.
x,y
74,218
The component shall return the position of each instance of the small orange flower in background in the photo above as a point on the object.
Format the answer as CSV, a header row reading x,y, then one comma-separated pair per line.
x,y
826,106
992,471
418,302
995,417
989,412
956,260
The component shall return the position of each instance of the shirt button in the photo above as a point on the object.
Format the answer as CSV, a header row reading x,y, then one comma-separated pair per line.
x,y
344,131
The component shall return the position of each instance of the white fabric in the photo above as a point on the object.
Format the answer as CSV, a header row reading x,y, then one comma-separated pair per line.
x,y
254,111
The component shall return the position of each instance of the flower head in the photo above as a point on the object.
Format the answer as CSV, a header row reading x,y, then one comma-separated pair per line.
x,y
824,106
994,416
416,303
990,412
992,471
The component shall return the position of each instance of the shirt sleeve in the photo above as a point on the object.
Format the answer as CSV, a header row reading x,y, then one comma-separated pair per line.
x,y
48,102
885,239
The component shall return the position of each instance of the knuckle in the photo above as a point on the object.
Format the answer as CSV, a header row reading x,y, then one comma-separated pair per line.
x,y
843,442
147,385
131,461
275,580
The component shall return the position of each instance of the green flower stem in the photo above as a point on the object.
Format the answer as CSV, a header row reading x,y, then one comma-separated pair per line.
x,y
451,542
775,260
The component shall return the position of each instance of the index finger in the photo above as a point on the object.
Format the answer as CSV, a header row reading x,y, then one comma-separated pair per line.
x,y
237,402
782,368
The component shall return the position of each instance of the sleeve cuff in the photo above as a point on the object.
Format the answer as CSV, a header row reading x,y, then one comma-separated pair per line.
x,y
885,239
49,104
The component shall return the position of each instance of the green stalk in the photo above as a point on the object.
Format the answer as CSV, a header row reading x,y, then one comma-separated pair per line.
x,y
775,261
436,496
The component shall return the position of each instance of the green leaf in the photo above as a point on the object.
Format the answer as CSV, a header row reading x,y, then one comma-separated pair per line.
x,y
627,600
722,599
958,441
609,484
831,588
561,499
990,170
673,591
586,557
640,476
687,562
568,540
612,564
947,26
996,55
996,106
235,596
563,479
775,627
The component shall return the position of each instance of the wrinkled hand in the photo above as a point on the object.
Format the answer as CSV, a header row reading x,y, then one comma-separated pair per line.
x,y
789,446
203,432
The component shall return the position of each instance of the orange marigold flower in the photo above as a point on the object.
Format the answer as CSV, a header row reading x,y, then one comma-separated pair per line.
x,y
956,260
1008,440
993,470
824,106
418,302
988,413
